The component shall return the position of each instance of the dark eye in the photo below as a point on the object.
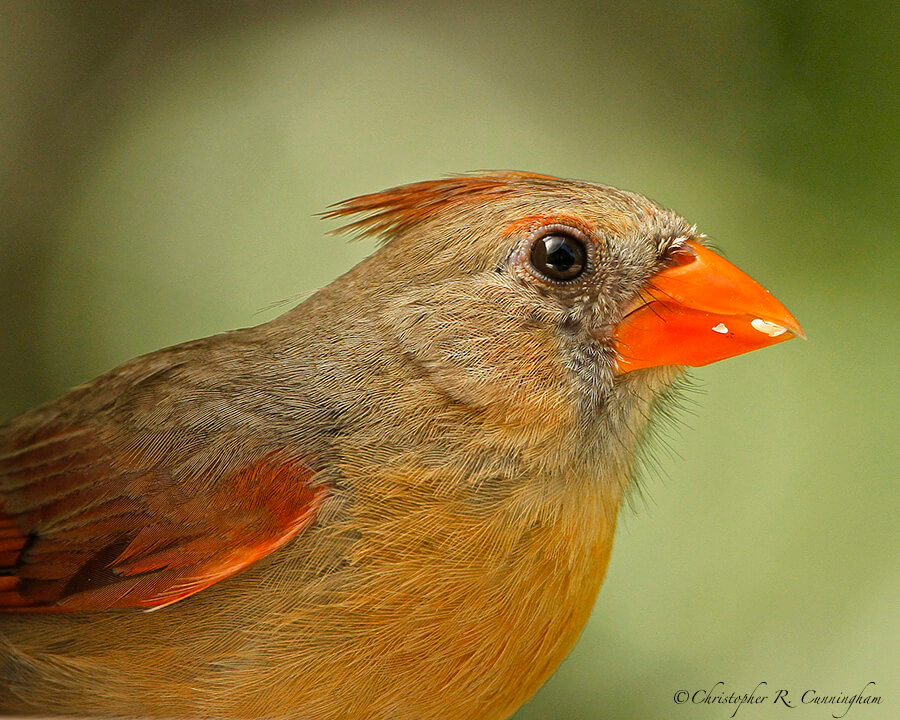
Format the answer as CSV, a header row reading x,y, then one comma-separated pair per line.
x,y
559,256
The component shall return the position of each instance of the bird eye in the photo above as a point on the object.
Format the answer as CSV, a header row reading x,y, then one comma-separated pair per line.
x,y
559,257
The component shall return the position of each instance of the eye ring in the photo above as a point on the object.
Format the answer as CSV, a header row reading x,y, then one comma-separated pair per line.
x,y
559,254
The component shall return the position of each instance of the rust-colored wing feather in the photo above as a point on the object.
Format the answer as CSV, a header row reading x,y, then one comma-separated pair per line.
x,y
82,528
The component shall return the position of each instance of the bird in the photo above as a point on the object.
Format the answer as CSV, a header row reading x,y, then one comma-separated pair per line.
x,y
397,499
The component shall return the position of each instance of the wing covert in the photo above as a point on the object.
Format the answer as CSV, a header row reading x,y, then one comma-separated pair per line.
x,y
83,528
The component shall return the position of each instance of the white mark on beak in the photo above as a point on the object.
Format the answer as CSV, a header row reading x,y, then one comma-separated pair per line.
x,y
720,328
769,328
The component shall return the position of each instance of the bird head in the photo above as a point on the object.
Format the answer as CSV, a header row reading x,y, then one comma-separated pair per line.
x,y
621,286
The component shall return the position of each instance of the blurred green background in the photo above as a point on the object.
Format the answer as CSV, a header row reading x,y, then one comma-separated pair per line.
x,y
160,164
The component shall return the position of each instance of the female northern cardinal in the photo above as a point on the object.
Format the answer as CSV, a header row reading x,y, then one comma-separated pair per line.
x,y
396,500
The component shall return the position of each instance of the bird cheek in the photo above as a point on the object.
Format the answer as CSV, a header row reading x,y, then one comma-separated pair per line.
x,y
475,348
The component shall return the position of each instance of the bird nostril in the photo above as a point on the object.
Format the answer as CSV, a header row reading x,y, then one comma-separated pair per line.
x,y
682,255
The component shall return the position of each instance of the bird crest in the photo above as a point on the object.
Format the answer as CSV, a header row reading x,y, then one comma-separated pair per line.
x,y
390,212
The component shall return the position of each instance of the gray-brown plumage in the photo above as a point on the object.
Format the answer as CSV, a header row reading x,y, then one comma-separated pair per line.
x,y
397,500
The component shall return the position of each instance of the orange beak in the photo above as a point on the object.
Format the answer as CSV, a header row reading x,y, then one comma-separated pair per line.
x,y
701,310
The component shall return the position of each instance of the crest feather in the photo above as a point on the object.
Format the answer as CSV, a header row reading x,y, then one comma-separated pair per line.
x,y
397,209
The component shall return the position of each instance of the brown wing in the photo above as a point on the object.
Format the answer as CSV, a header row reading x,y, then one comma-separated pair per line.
x,y
84,529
